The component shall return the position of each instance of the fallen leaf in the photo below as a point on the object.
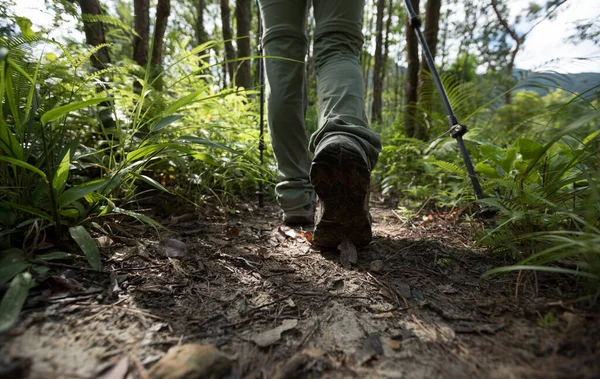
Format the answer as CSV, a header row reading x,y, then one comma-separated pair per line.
x,y
377,265
232,231
369,349
348,254
104,241
218,241
394,344
192,361
384,315
307,235
269,337
288,232
117,370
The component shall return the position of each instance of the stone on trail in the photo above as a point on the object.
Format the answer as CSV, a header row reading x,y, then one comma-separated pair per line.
x,y
348,253
173,248
192,361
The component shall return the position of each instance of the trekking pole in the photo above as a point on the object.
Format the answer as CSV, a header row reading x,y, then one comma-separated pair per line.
x,y
261,136
457,130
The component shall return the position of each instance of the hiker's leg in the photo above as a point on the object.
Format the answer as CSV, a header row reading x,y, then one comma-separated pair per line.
x,y
284,35
337,46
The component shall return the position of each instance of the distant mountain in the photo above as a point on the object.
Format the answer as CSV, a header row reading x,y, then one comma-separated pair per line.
x,y
545,82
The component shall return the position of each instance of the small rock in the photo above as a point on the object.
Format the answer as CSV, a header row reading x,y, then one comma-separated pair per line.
x,y
377,265
173,248
192,361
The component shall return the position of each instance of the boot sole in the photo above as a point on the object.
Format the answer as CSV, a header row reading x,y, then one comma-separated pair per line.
x,y
341,179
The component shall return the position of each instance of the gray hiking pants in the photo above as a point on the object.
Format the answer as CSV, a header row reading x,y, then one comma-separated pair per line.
x,y
341,102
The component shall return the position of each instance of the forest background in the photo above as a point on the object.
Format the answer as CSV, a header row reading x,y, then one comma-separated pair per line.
x,y
110,102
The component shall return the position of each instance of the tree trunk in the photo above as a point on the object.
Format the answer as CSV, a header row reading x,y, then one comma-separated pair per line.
x,y
243,19
377,85
386,45
94,36
368,56
518,42
163,9
94,33
412,77
141,11
227,37
432,27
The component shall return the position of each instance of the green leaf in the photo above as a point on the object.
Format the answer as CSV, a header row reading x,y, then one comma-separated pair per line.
x,y
75,193
62,173
486,170
8,142
28,209
87,245
140,217
13,300
148,150
529,149
54,256
24,165
25,26
558,270
164,122
205,142
12,263
153,183
56,113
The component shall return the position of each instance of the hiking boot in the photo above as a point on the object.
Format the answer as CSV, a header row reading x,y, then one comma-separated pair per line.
x,y
340,174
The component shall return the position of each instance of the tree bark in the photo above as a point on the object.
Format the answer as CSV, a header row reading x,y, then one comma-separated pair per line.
x,y
431,29
94,36
94,33
243,20
163,9
412,77
386,44
141,25
377,84
227,37
518,42
141,11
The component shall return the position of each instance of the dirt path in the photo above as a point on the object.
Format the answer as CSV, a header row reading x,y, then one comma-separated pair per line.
x,y
413,307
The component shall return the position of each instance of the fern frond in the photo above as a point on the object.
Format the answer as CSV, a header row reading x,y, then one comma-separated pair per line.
x,y
109,20
449,167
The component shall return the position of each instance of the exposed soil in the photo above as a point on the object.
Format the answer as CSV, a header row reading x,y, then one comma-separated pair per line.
x,y
414,305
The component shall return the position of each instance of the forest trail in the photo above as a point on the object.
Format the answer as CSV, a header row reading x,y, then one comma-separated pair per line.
x,y
414,305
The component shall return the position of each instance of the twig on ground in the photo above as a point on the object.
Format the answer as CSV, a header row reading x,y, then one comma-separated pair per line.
x,y
71,267
139,367
126,309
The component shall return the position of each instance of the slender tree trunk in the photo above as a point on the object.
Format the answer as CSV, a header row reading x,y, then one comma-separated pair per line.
x,y
432,20
94,33
141,11
243,20
94,36
518,42
412,77
163,9
377,85
227,37
201,34
368,60
386,45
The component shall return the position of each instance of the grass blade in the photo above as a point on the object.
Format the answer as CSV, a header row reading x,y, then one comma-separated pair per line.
x,y
13,301
87,245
